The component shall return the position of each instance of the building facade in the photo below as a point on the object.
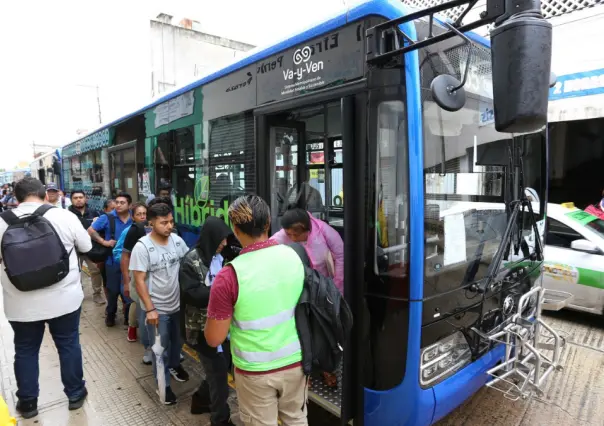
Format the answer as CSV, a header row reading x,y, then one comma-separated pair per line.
x,y
182,52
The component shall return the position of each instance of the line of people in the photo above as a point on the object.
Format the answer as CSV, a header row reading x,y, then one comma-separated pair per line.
x,y
235,289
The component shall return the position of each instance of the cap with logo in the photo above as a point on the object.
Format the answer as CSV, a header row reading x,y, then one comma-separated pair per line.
x,y
52,187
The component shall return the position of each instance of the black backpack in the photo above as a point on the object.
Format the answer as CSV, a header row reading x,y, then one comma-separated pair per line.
x,y
323,319
33,254
99,253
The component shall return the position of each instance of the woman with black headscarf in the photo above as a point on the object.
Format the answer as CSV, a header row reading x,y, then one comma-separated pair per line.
x,y
215,247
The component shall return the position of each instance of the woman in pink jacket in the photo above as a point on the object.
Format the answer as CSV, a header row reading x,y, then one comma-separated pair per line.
x,y
322,243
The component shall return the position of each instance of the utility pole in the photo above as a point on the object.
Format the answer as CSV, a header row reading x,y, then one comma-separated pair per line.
x,y
98,102
98,98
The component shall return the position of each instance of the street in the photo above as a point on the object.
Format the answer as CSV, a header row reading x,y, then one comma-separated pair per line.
x,y
572,397
122,390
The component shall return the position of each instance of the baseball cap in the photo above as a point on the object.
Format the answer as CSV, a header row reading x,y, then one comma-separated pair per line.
x,y
52,187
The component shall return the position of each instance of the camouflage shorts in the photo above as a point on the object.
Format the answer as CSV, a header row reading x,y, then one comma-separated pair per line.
x,y
195,321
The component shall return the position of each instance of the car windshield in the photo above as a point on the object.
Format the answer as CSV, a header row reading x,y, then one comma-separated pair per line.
x,y
465,215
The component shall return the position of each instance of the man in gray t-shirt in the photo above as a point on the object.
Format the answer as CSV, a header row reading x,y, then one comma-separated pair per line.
x,y
154,262
162,270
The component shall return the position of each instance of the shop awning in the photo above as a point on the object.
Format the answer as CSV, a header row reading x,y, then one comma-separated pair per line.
x,y
579,108
577,96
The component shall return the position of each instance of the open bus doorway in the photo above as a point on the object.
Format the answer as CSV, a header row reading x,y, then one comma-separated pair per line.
x,y
305,160
306,163
123,168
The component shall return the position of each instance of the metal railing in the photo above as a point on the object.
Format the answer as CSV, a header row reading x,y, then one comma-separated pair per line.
x,y
532,347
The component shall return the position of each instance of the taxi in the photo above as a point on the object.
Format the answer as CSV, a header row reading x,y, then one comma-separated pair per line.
x,y
574,256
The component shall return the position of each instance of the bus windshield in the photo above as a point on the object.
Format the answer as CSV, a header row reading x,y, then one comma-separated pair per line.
x,y
465,215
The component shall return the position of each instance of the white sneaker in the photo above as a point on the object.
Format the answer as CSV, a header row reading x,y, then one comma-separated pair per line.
x,y
148,357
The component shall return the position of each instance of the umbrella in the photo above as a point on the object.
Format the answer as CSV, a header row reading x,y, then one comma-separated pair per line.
x,y
160,369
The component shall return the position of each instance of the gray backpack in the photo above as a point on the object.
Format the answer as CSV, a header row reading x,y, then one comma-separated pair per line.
x,y
154,260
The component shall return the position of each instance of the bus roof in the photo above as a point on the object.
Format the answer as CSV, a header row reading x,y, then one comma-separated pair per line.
x,y
348,14
54,152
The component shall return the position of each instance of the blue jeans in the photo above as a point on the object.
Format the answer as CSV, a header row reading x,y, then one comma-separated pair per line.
x,y
65,331
142,315
169,332
115,288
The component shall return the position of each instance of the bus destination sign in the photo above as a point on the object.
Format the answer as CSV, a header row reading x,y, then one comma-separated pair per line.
x,y
326,61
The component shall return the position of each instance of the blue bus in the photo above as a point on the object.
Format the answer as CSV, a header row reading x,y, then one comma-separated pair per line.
x,y
413,137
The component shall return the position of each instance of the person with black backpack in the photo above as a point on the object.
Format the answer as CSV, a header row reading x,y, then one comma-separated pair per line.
x,y
41,285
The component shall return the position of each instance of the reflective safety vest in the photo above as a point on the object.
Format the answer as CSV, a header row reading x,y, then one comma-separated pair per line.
x,y
263,330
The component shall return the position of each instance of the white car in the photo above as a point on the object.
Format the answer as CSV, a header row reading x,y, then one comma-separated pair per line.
x,y
573,250
574,256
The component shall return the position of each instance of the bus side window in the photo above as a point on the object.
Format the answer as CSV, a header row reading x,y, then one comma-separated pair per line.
x,y
162,160
336,169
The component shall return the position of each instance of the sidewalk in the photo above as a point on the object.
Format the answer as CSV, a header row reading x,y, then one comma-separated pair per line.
x,y
121,388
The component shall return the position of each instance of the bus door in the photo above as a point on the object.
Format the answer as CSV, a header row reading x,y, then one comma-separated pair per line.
x,y
285,140
301,152
124,178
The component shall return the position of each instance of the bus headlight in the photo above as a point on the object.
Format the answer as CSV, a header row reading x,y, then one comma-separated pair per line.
x,y
444,358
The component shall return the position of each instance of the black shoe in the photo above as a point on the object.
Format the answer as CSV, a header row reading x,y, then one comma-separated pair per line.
x,y
179,374
74,404
170,397
110,321
200,402
28,409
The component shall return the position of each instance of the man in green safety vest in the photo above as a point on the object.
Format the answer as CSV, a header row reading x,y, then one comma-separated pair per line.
x,y
254,298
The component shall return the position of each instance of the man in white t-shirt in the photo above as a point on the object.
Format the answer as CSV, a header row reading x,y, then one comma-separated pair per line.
x,y
58,305
155,262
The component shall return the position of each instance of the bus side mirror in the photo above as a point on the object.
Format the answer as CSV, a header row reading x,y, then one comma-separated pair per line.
x,y
521,54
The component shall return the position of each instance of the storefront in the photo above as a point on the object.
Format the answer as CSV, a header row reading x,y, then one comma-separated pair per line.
x,y
576,109
47,168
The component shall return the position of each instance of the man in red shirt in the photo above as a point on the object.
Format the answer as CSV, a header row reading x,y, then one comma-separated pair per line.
x,y
254,298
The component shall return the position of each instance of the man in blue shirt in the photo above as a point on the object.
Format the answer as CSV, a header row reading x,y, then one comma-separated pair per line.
x,y
122,219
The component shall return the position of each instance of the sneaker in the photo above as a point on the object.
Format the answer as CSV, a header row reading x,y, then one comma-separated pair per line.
x,y
98,299
27,409
74,404
131,334
148,357
170,397
179,374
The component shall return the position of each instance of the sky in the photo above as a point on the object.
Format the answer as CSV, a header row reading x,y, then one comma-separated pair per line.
x,y
54,53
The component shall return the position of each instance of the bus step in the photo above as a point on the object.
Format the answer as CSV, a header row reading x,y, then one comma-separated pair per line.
x,y
329,398
532,351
